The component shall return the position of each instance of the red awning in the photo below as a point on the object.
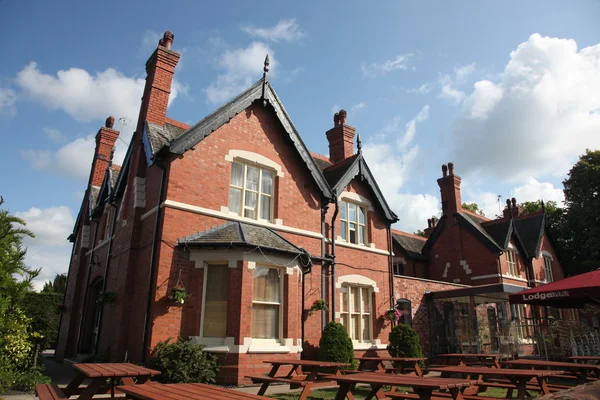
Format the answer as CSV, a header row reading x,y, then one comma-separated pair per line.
x,y
571,292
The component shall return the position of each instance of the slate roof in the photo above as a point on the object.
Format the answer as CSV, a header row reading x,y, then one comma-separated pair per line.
x,y
473,224
237,233
335,172
321,163
500,232
531,230
161,136
413,246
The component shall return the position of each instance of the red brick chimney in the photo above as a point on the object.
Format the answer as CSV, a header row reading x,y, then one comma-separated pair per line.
x,y
511,209
160,68
450,190
431,223
341,138
105,142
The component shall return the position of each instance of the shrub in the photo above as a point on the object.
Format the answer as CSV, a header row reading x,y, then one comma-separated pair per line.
x,y
16,348
404,342
26,381
183,362
335,345
43,309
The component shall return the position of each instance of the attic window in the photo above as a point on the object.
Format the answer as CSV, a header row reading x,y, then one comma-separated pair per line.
x,y
251,191
353,222
511,259
548,269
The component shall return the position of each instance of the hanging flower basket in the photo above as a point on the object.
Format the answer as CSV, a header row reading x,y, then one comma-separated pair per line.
x,y
393,315
319,305
106,298
178,294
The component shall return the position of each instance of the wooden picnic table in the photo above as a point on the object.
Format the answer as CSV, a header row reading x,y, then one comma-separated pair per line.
x,y
581,371
422,387
518,377
297,377
99,373
462,358
595,359
184,391
399,364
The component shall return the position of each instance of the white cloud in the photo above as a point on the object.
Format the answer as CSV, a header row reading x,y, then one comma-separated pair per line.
x,y
449,83
50,249
423,89
487,201
532,190
8,98
536,117
149,42
242,67
358,107
84,97
286,30
54,134
399,62
391,158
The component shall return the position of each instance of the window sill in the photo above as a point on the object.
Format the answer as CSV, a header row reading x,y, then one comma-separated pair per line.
x,y
369,345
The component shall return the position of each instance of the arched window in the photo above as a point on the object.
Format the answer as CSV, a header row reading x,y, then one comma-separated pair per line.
x,y
405,307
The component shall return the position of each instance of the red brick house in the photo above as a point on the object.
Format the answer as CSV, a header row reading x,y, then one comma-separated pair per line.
x,y
255,227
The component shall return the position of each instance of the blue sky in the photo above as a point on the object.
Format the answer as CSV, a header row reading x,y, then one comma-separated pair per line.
x,y
508,91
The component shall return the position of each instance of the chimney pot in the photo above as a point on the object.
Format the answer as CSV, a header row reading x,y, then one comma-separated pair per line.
x,y
514,202
451,168
444,170
167,40
110,122
343,115
336,119
429,223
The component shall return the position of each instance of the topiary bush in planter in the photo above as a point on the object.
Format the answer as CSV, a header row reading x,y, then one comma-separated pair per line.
x,y
183,362
404,342
336,346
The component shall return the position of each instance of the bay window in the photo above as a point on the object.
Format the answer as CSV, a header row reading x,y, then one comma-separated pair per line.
x,y
356,312
267,310
216,292
353,223
251,191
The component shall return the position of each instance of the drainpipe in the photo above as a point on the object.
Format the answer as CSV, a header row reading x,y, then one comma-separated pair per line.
x,y
324,207
391,266
153,262
335,214
87,283
104,281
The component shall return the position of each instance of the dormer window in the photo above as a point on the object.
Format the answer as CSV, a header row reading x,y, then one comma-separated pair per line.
x,y
353,222
251,191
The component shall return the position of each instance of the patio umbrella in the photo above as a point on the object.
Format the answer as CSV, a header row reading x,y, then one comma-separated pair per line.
x,y
573,292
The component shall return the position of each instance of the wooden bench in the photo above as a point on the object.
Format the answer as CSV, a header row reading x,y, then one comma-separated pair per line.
x,y
529,387
435,396
49,391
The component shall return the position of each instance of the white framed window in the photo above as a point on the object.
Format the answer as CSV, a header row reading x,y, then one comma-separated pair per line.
x,y
251,191
267,303
511,259
356,312
214,303
399,268
353,222
548,269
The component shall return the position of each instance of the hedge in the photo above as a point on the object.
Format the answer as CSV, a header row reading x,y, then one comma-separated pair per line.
x,y
43,309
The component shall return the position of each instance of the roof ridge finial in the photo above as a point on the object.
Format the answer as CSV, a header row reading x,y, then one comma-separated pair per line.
x,y
358,144
265,78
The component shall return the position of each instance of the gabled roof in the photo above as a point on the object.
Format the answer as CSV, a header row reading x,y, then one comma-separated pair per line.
x,y
224,114
340,174
157,137
106,191
411,244
531,230
500,231
234,233
473,225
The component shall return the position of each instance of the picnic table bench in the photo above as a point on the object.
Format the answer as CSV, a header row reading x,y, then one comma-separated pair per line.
x,y
423,387
515,378
296,377
482,358
184,391
98,375
400,364
581,371
595,359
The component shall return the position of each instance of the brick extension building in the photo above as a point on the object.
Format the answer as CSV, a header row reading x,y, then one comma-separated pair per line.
x,y
255,227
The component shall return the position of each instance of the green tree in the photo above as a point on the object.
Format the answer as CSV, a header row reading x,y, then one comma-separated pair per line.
x,y
58,285
419,233
474,208
582,219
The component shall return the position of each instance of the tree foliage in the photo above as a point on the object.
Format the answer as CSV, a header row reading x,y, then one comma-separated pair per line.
x,y
474,208
44,311
58,285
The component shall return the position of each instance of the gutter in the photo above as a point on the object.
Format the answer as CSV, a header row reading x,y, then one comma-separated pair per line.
x,y
153,263
106,269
